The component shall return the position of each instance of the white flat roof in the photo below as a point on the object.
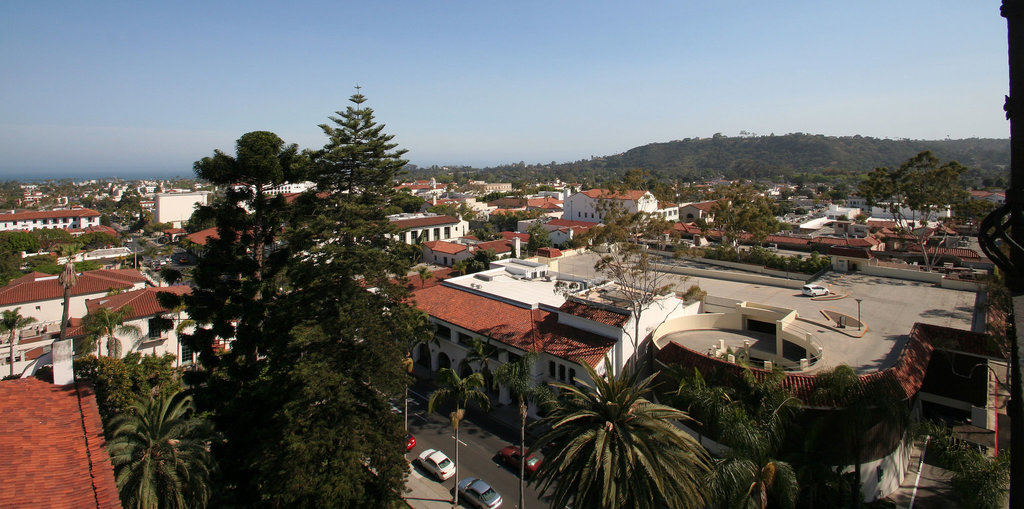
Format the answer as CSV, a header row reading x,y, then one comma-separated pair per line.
x,y
500,285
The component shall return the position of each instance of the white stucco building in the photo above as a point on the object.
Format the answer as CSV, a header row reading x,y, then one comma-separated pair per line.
x,y
176,208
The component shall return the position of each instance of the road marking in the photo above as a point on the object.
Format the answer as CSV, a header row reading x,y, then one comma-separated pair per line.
x,y
460,441
418,395
920,467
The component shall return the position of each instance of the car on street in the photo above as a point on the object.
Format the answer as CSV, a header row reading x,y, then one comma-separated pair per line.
x,y
512,457
437,464
814,290
410,442
479,493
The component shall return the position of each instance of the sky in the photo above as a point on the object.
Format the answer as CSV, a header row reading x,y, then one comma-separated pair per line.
x,y
141,87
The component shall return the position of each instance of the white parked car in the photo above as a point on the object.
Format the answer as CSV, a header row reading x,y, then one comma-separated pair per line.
x,y
479,493
814,290
437,464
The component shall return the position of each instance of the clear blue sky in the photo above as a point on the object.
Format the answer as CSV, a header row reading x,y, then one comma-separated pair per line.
x,y
117,88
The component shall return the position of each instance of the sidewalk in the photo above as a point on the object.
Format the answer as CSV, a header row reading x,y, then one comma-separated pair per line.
x,y
423,493
933,489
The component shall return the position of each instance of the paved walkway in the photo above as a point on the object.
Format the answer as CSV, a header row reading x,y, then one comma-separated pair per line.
x,y
933,488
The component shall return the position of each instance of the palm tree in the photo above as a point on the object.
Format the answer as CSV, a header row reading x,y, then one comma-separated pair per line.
x,y
160,454
13,322
68,279
858,408
518,378
753,428
107,323
462,391
480,356
425,273
615,449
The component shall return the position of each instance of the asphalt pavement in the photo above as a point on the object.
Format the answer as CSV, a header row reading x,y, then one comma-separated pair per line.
x,y
481,436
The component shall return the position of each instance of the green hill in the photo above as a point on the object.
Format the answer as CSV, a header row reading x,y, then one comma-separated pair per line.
x,y
756,157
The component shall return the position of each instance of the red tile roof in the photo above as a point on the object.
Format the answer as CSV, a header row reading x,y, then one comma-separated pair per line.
x,y
907,374
523,237
419,222
959,252
549,252
594,313
38,286
201,237
704,206
48,214
617,195
143,302
53,447
416,283
530,330
846,242
441,246
498,246
849,252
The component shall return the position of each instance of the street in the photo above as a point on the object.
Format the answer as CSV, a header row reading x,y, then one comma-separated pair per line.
x,y
480,438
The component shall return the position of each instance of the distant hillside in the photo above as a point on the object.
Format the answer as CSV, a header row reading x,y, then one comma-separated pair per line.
x,y
764,157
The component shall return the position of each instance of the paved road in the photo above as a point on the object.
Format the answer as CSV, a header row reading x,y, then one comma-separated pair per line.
x,y
481,441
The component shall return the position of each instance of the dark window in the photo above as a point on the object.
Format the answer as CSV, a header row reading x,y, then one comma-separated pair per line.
x,y
447,232
551,369
572,376
561,373
155,328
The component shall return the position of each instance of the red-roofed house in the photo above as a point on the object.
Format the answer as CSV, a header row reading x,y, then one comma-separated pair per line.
x,y
53,447
562,231
426,227
156,323
448,253
61,218
691,212
515,308
40,296
589,205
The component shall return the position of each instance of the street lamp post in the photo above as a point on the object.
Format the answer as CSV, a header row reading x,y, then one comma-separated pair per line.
x,y
858,299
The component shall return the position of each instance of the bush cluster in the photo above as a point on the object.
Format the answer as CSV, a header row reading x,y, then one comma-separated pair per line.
x,y
761,256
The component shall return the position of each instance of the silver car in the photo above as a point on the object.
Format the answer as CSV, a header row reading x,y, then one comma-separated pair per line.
x,y
479,493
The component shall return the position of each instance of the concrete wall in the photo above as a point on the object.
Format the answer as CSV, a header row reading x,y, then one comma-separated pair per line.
x,y
752,268
912,275
732,276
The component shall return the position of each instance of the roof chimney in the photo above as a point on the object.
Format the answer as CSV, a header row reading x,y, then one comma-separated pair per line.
x,y
63,366
516,246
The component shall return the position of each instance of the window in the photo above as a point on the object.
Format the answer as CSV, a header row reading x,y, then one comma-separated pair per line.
x,y
572,376
154,328
437,233
561,373
186,354
446,260
447,232
551,369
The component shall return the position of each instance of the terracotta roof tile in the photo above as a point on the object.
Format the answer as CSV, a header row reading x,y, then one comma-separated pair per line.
x,y
618,195
143,302
53,447
201,237
959,252
594,313
441,246
37,286
530,330
569,223
48,214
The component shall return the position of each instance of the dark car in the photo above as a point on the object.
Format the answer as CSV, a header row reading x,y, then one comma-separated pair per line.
x,y
512,457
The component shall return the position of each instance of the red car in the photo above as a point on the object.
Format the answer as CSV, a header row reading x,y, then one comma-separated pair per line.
x,y
512,457
410,442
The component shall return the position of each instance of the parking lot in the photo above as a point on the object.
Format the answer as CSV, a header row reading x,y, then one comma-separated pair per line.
x,y
889,307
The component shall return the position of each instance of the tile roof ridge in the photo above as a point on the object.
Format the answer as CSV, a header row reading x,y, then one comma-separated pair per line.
x,y
88,449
